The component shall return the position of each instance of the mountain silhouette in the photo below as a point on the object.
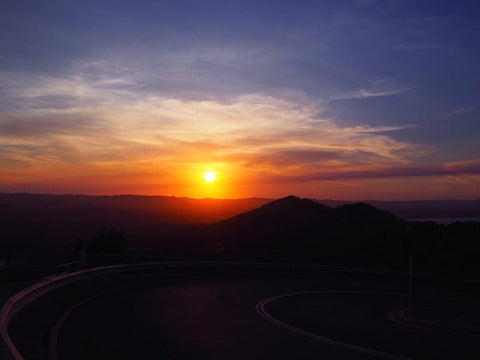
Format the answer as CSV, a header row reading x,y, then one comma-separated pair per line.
x,y
363,212
290,211
292,229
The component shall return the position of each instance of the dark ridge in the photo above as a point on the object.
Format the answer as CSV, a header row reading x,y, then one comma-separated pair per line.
x,y
421,209
303,230
166,209
288,211
290,229
295,206
363,211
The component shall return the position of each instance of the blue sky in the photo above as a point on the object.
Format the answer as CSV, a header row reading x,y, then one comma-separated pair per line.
x,y
325,98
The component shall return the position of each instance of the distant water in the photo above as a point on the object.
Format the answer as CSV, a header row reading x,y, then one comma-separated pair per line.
x,y
448,220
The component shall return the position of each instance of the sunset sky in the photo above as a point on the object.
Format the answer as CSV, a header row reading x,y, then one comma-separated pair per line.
x,y
336,99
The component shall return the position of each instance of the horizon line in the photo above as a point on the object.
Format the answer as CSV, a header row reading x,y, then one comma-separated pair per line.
x,y
242,198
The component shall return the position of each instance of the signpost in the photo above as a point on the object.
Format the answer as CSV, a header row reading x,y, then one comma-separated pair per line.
x,y
219,248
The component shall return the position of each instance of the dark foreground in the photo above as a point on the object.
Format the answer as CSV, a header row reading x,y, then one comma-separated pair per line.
x,y
216,318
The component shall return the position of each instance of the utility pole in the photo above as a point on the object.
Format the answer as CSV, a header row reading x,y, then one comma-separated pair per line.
x,y
410,285
219,249
410,244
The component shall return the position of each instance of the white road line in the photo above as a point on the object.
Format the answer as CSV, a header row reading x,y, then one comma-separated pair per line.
x,y
261,310
393,316
53,340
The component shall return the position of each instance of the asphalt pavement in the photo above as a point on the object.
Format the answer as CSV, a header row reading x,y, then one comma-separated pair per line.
x,y
217,319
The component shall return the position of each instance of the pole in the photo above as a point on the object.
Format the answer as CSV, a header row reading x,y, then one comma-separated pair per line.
x,y
410,281
82,256
9,261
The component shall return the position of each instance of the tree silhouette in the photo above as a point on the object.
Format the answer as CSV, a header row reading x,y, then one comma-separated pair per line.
x,y
108,243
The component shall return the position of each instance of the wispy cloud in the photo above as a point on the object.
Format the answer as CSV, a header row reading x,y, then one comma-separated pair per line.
x,y
105,118
379,88
378,171
253,131
418,46
470,166
457,112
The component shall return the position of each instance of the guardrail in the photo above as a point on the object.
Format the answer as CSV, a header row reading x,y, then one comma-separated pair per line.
x,y
28,295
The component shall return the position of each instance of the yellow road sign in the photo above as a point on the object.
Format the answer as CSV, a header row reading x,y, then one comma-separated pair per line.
x,y
218,247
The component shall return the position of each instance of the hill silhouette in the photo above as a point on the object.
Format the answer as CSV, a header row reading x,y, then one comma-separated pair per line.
x,y
422,209
290,211
290,229
302,230
363,212
30,222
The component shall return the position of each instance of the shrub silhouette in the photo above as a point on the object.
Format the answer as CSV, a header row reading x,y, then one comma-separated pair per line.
x,y
108,245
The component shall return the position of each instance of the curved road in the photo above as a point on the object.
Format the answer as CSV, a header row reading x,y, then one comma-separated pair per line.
x,y
217,319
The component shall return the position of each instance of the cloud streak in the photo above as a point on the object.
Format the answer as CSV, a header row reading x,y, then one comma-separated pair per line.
x,y
418,46
378,88
254,131
470,167
457,112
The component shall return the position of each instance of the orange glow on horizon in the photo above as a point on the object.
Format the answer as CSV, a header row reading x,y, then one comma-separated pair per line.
x,y
233,181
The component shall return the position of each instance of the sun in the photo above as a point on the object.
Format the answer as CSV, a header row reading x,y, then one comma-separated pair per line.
x,y
210,176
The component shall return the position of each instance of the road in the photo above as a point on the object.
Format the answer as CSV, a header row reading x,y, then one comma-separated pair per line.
x,y
217,319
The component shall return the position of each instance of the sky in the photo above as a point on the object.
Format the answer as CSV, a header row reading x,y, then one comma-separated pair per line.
x,y
349,100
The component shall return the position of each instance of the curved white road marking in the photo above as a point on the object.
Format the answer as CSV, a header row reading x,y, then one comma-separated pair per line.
x,y
53,340
393,316
261,310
